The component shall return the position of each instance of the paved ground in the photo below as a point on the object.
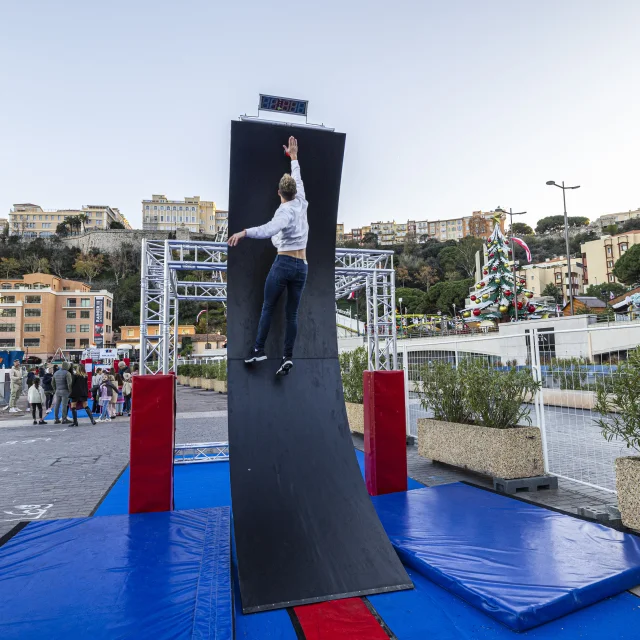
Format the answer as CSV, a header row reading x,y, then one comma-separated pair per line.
x,y
56,471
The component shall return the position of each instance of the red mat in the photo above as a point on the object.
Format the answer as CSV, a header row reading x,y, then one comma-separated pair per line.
x,y
348,619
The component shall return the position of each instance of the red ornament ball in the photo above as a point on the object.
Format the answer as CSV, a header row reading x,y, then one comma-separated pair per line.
x,y
523,282
520,305
472,298
476,312
507,292
491,255
531,308
494,268
482,284
485,272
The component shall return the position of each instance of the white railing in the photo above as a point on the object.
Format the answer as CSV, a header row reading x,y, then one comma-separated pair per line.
x,y
572,365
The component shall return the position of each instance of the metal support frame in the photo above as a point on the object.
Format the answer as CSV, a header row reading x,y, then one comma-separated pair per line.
x,y
162,288
194,452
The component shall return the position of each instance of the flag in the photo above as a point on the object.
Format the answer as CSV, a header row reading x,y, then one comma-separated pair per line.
x,y
523,244
198,316
611,296
352,296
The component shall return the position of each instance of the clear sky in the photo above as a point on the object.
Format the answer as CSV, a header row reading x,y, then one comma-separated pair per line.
x,y
449,106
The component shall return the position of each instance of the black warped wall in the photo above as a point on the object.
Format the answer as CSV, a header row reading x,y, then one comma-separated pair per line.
x,y
304,524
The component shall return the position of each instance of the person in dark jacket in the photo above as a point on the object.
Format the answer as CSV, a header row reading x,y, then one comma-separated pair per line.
x,y
30,377
47,387
79,395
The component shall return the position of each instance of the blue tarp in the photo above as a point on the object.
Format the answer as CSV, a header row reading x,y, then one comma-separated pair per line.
x,y
521,564
154,575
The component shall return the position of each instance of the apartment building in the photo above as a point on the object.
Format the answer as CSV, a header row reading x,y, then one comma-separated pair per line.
x,y
553,271
339,233
615,218
478,224
198,216
599,256
32,221
40,313
130,335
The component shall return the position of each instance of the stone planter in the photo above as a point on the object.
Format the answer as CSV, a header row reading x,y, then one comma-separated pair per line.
x,y
220,386
195,382
355,415
207,383
628,486
501,453
182,380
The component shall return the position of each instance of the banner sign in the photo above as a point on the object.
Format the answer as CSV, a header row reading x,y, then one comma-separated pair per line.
x,y
98,322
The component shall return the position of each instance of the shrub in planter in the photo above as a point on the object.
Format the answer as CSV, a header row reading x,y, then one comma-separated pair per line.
x,y
352,366
477,411
619,406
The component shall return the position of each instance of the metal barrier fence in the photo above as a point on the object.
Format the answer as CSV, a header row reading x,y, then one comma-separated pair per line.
x,y
571,365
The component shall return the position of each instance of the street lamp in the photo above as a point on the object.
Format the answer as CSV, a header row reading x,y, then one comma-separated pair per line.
x,y
513,255
566,234
401,324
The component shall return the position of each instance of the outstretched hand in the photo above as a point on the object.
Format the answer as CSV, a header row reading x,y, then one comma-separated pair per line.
x,y
292,149
236,237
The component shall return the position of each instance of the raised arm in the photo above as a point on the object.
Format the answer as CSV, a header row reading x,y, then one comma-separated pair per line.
x,y
292,152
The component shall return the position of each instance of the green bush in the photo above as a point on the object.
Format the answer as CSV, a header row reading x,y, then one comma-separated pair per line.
x,y
473,393
441,387
352,366
619,404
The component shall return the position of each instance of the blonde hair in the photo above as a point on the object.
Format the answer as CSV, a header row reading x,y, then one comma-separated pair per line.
x,y
287,187
80,371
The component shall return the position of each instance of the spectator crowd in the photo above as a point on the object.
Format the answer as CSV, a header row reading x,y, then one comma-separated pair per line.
x,y
66,386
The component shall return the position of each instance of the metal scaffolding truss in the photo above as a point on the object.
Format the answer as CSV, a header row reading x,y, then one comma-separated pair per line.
x,y
201,452
163,286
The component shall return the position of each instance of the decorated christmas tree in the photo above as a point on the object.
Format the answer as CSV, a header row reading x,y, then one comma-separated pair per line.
x,y
497,295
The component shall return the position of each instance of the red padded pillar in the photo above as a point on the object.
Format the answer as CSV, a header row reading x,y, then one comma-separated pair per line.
x,y
385,432
153,421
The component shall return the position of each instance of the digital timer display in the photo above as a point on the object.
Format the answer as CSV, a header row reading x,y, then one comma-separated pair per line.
x,y
283,105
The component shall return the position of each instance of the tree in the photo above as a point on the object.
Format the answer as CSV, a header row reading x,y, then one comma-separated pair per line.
x,y
370,240
630,225
521,229
402,274
89,265
33,263
478,226
413,300
497,294
461,257
82,218
555,224
427,276
124,261
63,229
116,225
553,291
610,229
627,269
10,266
443,295
604,290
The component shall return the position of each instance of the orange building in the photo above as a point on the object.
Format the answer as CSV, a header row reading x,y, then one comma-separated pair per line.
x,y
130,334
40,313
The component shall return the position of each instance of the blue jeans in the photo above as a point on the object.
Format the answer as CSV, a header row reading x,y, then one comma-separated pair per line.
x,y
290,274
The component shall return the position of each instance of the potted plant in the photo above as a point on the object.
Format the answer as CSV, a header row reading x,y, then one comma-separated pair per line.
x,y
352,367
478,411
619,407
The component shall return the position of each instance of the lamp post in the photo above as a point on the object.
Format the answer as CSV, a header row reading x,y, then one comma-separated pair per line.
x,y
566,235
401,323
513,256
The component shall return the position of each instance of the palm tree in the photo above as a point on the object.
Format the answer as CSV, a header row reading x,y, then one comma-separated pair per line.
x,y
83,218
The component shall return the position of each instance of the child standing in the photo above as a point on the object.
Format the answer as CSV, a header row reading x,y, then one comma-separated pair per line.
x,y
36,400
105,399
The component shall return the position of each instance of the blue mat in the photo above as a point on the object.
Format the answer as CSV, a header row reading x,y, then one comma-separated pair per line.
x,y
521,564
429,612
153,575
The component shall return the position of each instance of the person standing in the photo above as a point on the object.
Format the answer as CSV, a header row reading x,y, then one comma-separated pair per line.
x,y
47,387
95,391
36,399
107,389
79,395
62,381
127,387
15,379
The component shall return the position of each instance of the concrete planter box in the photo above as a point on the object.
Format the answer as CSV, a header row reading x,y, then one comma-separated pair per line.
x,y
182,380
628,486
355,415
220,386
207,383
195,382
501,453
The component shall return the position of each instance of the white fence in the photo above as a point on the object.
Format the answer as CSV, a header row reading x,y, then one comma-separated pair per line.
x,y
570,363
